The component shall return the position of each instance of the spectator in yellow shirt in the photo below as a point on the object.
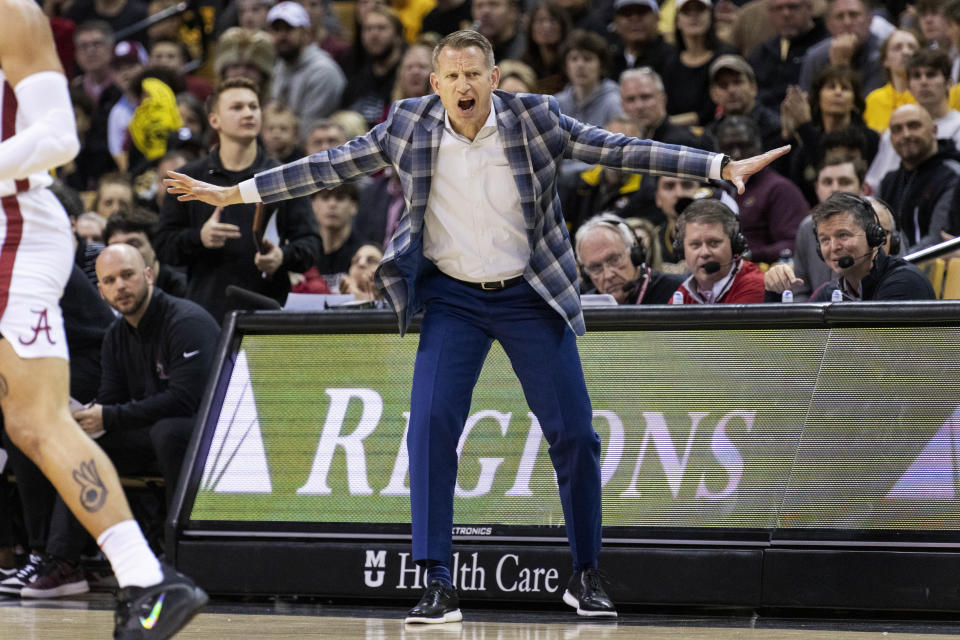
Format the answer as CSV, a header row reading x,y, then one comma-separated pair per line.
x,y
894,53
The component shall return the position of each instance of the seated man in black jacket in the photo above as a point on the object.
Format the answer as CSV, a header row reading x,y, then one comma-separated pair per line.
x,y
217,245
155,362
613,259
850,240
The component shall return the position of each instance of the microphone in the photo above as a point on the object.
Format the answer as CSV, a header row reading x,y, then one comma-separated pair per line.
x,y
712,266
845,262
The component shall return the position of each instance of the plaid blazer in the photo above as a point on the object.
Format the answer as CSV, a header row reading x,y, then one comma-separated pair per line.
x,y
535,136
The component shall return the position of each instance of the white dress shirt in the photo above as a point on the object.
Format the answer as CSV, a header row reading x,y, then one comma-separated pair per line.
x,y
473,225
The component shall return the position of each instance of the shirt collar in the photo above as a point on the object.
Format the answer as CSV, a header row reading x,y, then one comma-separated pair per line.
x,y
719,288
488,128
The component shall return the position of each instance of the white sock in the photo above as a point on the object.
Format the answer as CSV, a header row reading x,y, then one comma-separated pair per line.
x,y
133,563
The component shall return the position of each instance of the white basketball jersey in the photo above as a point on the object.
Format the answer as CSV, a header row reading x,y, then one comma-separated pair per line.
x,y
11,121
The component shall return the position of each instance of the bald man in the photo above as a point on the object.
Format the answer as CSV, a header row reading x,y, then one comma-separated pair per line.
x,y
155,362
894,244
921,190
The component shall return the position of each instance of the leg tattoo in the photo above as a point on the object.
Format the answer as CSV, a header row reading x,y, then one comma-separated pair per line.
x,y
93,493
4,389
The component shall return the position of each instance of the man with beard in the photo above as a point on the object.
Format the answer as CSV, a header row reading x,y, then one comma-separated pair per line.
x,y
928,74
921,191
370,85
305,77
733,88
154,362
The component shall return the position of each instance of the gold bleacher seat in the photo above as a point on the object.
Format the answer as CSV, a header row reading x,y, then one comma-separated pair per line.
x,y
951,283
935,270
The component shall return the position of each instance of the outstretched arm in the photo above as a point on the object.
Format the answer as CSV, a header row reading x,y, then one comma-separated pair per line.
x,y
323,170
739,171
187,189
29,62
596,146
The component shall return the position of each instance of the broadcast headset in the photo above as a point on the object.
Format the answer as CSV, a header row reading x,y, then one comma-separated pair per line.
x,y
862,210
738,243
638,252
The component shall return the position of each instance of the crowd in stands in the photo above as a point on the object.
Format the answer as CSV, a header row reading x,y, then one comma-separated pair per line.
x,y
221,89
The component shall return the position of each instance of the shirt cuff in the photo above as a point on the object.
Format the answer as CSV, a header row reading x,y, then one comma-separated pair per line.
x,y
715,167
249,193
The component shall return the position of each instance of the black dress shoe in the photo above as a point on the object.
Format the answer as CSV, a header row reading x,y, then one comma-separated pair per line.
x,y
439,604
586,594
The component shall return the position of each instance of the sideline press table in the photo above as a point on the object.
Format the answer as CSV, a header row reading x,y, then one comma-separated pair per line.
x,y
753,455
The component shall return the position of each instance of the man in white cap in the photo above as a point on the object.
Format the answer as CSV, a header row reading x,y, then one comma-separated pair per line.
x,y
305,77
641,45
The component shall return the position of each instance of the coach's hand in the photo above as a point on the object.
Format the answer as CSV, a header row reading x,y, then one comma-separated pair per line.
x,y
187,188
738,171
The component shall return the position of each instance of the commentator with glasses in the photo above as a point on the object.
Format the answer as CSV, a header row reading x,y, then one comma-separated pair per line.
x,y
613,261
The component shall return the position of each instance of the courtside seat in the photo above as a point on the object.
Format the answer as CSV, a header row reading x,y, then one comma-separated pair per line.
x,y
951,283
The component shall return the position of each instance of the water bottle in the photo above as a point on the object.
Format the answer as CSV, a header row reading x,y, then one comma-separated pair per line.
x,y
836,296
786,296
677,297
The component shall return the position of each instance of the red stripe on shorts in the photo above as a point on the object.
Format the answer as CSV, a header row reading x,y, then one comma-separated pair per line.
x,y
8,127
8,251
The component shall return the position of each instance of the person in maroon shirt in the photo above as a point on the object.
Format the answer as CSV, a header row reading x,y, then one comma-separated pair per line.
x,y
771,207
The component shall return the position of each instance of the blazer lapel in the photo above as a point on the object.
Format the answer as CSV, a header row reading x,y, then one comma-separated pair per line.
x,y
423,162
511,132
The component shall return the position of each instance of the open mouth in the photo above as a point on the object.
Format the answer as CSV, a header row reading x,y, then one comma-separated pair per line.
x,y
466,105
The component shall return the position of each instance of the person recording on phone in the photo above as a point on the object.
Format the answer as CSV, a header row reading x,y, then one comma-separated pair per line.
x,y
851,241
614,260
709,241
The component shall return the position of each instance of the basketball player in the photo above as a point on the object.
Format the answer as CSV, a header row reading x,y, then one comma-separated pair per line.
x,y
37,132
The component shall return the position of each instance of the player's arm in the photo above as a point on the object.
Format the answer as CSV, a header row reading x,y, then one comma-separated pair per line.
x,y
29,61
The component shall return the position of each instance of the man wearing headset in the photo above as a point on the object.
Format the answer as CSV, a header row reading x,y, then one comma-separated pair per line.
x,y
613,259
851,241
708,239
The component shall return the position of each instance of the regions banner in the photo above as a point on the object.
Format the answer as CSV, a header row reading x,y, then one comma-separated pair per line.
x,y
754,428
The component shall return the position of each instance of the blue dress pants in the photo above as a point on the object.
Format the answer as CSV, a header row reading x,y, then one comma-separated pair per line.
x,y
459,325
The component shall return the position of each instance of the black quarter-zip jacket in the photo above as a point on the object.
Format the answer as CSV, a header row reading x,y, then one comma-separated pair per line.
x,y
159,368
